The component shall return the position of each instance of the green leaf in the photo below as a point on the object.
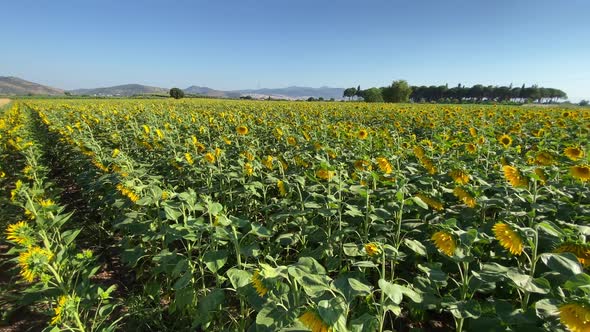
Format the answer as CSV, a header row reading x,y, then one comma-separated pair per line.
x,y
69,236
416,246
392,291
527,283
331,310
419,202
215,260
365,323
546,308
364,264
183,281
550,228
238,278
565,263
465,309
578,282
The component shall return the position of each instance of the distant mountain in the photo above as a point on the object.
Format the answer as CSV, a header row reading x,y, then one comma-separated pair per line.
x,y
297,92
293,92
205,91
20,87
121,90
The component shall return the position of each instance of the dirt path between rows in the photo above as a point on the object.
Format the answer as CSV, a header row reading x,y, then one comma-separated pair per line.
x,y
4,101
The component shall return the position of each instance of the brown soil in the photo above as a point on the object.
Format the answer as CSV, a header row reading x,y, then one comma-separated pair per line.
x,y
4,101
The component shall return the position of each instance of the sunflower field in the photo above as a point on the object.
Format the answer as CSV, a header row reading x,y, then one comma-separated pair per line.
x,y
220,215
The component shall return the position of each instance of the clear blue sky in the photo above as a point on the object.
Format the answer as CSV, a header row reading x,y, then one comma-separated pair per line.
x,y
250,44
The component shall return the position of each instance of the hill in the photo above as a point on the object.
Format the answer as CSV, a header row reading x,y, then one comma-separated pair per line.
x,y
121,90
16,86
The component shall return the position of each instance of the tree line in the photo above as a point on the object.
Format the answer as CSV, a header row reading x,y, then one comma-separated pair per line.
x,y
401,91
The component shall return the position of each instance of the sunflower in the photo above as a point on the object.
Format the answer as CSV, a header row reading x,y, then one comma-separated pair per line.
x,y
20,233
282,188
314,322
471,148
242,130
384,165
508,238
362,134
574,153
291,140
372,249
248,155
32,262
362,165
505,140
278,133
258,285
248,169
431,202
544,158
581,172
459,176
159,134
189,158
464,196
60,309
325,174
116,153
46,203
576,316
581,250
513,176
444,242
268,162
209,157
473,132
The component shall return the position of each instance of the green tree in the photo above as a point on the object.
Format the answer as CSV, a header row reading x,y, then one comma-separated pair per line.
x,y
583,102
398,92
176,93
372,95
350,92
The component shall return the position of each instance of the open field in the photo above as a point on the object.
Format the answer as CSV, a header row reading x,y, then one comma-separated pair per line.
x,y
4,101
266,216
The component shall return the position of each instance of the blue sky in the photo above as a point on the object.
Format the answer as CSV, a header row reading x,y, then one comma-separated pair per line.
x,y
249,44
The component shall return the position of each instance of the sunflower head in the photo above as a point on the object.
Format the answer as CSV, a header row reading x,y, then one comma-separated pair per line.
x,y
505,140
574,153
514,177
508,238
248,169
581,172
20,233
384,165
242,130
444,242
259,286
209,157
362,165
576,316
465,197
362,134
372,249
314,322
33,262
325,174
282,188
459,176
